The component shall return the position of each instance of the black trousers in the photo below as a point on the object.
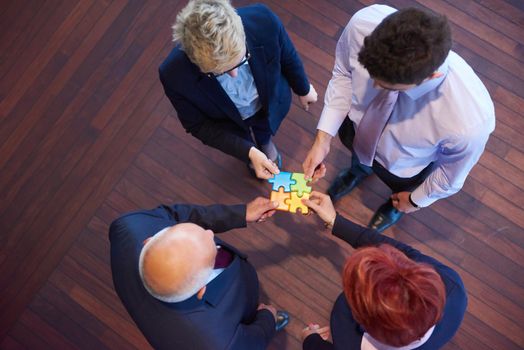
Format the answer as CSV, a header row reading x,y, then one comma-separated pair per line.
x,y
395,183
259,125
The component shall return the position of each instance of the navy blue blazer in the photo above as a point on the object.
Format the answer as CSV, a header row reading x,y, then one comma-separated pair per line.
x,y
226,317
347,333
204,108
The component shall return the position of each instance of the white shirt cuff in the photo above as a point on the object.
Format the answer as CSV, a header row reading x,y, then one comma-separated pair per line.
x,y
331,120
420,198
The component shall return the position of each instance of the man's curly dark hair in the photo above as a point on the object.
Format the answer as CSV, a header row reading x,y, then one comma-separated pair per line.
x,y
406,47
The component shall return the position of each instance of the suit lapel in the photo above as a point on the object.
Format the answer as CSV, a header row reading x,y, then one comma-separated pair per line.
x,y
211,87
257,63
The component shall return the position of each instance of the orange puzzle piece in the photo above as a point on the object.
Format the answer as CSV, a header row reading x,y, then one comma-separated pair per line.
x,y
281,198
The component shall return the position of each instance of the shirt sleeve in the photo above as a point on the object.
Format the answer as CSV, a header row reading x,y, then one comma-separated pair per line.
x,y
337,101
457,156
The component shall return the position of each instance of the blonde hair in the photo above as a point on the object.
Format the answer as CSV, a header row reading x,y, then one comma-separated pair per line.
x,y
211,34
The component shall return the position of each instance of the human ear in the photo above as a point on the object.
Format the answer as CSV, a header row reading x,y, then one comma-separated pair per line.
x,y
200,293
435,75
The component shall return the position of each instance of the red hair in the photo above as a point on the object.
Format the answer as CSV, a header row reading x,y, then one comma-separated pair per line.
x,y
395,299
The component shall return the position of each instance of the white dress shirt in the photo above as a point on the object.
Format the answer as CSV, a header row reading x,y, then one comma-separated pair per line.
x,y
445,120
370,343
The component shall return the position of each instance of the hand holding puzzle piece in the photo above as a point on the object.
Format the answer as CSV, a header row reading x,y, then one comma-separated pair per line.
x,y
288,190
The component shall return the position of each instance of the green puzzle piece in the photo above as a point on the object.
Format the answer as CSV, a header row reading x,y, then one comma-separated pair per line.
x,y
300,185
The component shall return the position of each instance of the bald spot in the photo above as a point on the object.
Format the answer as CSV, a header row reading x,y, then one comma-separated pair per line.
x,y
174,258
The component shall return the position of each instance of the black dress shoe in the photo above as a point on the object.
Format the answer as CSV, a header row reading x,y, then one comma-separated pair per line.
x,y
344,183
282,320
385,217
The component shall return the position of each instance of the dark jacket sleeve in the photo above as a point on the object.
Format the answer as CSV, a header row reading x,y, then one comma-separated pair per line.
x,y
214,133
218,217
255,335
315,342
291,64
358,236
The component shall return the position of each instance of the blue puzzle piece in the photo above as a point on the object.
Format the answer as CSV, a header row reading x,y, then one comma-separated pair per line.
x,y
282,180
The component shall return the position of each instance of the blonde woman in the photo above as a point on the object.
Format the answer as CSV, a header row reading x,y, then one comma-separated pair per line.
x,y
229,78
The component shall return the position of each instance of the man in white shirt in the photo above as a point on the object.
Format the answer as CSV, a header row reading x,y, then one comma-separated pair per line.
x,y
438,114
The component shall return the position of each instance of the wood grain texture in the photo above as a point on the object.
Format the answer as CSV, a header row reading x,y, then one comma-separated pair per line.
x,y
87,134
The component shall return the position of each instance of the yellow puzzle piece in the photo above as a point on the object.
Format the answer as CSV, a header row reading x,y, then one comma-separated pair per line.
x,y
295,202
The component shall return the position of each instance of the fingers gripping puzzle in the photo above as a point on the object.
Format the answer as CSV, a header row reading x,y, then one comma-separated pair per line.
x,y
288,190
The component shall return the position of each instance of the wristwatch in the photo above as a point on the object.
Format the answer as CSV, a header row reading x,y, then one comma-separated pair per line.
x,y
411,201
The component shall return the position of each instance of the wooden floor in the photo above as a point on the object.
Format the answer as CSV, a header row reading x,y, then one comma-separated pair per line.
x,y
86,134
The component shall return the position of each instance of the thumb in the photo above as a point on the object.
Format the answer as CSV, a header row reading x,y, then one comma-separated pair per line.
x,y
308,169
311,204
272,167
270,205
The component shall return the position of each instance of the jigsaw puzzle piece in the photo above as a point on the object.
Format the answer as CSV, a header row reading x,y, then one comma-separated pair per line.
x,y
295,202
283,179
300,185
281,197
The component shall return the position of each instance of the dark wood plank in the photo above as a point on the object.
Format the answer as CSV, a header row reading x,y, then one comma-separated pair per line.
x,y
8,343
87,134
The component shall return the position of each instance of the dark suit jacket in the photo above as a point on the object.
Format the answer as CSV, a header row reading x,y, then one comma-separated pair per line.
x,y
347,333
204,108
226,317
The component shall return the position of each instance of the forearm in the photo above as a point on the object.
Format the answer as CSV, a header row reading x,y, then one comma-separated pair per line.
x,y
456,157
215,136
315,342
219,134
217,217
442,182
255,335
292,67
358,236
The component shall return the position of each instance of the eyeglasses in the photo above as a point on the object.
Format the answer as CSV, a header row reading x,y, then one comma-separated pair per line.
x,y
244,61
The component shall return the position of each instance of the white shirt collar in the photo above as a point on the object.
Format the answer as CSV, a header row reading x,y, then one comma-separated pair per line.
x,y
429,85
370,343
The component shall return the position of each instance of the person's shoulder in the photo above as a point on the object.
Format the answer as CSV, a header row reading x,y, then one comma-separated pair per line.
x,y
468,97
364,21
370,15
255,10
125,220
258,15
176,63
452,281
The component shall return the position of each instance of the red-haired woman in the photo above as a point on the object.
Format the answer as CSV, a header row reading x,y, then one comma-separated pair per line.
x,y
394,296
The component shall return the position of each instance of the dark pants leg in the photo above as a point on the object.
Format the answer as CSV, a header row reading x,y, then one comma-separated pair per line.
x,y
395,183
346,133
259,125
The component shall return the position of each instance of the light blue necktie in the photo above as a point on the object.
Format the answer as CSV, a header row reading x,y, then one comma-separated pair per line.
x,y
372,124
